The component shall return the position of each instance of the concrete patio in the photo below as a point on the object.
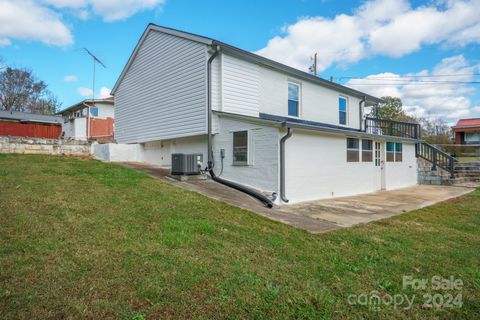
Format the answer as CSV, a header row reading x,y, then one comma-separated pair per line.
x,y
321,215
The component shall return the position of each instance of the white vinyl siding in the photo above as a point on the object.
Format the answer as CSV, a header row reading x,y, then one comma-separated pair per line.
x,y
317,103
163,94
240,84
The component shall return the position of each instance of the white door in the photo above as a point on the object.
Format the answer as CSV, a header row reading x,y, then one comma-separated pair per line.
x,y
379,165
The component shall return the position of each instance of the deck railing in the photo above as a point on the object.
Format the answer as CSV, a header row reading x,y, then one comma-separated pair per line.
x,y
392,128
436,157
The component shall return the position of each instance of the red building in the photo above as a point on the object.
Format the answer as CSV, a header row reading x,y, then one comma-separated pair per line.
x,y
23,124
467,131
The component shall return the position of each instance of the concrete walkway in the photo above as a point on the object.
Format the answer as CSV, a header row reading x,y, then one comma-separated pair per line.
x,y
321,215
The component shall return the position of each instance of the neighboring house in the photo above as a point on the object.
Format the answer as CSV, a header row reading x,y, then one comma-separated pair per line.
x,y
274,128
76,120
23,124
467,131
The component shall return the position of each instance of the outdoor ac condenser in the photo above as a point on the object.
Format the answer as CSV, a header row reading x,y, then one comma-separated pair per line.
x,y
186,164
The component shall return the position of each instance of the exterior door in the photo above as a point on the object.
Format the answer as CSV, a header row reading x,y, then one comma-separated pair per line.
x,y
380,165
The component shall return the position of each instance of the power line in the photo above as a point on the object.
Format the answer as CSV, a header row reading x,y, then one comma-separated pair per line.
x,y
416,83
415,76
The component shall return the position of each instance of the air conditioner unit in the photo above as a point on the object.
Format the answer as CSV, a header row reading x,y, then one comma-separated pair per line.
x,y
186,164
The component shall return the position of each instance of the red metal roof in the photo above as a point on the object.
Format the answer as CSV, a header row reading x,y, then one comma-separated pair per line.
x,y
466,123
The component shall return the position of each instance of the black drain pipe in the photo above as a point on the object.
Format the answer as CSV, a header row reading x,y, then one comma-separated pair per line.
x,y
209,106
282,164
260,197
227,183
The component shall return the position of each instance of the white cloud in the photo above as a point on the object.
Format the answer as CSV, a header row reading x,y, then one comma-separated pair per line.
x,y
109,10
427,96
386,27
112,10
42,20
85,92
70,78
104,92
5,42
27,20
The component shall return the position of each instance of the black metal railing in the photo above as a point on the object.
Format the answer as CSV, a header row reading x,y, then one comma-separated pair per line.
x,y
392,128
436,157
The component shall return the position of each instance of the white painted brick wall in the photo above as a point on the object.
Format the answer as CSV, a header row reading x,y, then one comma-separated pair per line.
x,y
262,174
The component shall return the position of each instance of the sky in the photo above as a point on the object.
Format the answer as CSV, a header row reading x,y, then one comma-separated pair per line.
x,y
425,52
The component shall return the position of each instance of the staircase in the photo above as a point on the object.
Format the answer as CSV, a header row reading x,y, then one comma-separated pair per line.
x,y
467,174
438,167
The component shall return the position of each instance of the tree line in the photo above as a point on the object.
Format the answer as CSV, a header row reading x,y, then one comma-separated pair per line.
x,y
21,90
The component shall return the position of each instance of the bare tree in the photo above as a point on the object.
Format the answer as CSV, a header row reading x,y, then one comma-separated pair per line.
x,y
21,91
435,131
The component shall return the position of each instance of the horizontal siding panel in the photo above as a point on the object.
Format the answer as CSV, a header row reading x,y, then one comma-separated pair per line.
x,y
163,94
240,86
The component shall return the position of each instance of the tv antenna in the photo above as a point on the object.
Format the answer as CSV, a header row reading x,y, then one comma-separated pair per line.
x,y
313,66
95,61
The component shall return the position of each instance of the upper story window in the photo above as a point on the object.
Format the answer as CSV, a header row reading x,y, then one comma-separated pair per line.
x,y
342,110
240,148
293,99
394,152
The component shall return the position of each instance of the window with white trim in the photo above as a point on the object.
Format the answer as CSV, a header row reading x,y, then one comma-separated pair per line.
x,y
342,110
293,99
394,152
367,151
240,148
353,151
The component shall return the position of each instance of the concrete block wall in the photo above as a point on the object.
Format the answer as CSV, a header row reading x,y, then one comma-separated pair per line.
x,y
432,177
44,146
117,152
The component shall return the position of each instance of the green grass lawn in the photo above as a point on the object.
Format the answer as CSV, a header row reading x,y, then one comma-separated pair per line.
x,y
84,239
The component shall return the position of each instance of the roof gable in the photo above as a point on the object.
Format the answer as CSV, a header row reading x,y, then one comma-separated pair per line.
x,y
154,27
474,122
246,55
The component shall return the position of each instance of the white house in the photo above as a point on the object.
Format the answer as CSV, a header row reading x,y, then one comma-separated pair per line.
x,y
273,128
89,119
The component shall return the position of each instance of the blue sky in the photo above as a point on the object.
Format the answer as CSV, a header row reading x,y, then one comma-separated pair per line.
x,y
382,40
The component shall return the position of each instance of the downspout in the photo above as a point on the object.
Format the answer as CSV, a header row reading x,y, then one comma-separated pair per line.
x,y
210,163
209,107
360,111
88,120
282,164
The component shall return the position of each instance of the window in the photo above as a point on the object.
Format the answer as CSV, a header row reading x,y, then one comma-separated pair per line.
x,y
240,148
94,111
352,150
394,152
342,110
367,150
378,154
293,99
398,152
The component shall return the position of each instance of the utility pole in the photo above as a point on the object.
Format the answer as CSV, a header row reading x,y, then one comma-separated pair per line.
x,y
313,67
95,61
